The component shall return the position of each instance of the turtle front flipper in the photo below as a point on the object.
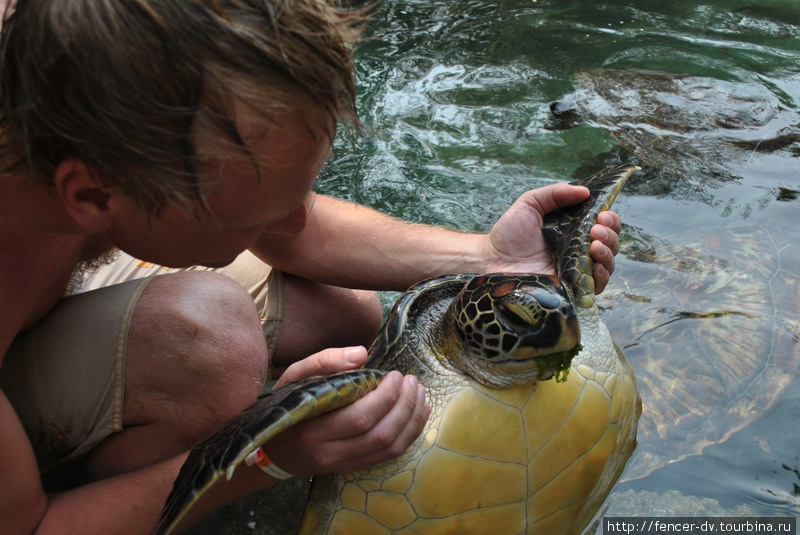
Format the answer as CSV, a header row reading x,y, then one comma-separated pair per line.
x,y
567,230
272,413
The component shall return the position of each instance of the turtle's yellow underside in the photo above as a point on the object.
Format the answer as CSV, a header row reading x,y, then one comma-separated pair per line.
x,y
494,461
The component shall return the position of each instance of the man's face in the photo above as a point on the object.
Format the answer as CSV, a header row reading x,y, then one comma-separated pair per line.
x,y
243,201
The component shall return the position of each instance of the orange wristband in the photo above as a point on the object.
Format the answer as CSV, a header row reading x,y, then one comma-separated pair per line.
x,y
260,459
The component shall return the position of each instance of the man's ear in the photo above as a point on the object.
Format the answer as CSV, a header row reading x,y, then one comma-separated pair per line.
x,y
84,196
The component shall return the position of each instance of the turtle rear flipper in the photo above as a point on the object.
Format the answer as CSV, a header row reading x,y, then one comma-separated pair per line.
x,y
220,454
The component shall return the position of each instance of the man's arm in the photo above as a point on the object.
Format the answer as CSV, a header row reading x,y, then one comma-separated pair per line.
x,y
345,244
350,245
125,505
24,501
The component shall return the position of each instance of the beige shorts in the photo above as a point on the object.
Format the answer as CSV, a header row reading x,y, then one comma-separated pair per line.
x,y
65,377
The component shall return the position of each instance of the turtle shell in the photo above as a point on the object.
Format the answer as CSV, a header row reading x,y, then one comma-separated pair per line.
x,y
520,460
712,330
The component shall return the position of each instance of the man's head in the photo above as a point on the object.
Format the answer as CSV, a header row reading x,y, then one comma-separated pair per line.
x,y
124,86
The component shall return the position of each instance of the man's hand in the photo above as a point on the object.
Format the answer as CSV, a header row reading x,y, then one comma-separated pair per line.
x,y
516,243
376,428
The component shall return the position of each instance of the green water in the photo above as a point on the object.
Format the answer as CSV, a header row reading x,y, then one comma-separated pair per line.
x,y
706,297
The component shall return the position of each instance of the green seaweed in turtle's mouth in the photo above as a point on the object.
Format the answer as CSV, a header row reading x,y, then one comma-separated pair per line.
x,y
541,367
558,364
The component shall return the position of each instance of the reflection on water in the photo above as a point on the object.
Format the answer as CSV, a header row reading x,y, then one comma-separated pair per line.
x,y
709,319
706,298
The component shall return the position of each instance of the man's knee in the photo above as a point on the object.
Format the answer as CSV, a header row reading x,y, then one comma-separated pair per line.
x,y
195,346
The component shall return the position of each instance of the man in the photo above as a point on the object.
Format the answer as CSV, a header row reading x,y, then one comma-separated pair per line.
x,y
185,132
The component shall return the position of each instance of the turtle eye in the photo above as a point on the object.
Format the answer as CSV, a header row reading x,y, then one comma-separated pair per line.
x,y
518,315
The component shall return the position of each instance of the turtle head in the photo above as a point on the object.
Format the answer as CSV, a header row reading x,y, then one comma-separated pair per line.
x,y
509,329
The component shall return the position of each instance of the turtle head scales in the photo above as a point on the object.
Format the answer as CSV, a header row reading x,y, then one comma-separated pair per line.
x,y
503,329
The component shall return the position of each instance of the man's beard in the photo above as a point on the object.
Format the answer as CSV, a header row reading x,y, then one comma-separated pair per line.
x,y
97,253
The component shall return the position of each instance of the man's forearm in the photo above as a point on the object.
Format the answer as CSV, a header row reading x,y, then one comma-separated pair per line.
x,y
124,504
346,244
129,504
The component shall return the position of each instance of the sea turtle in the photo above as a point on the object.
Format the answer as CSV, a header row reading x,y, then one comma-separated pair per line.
x,y
692,127
505,449
707,314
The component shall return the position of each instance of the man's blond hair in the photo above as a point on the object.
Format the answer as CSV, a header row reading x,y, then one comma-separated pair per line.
x,y
120,84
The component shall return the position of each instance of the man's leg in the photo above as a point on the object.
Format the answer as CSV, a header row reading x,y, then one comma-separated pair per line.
x,y
131,374
317,316
300,317
195,358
